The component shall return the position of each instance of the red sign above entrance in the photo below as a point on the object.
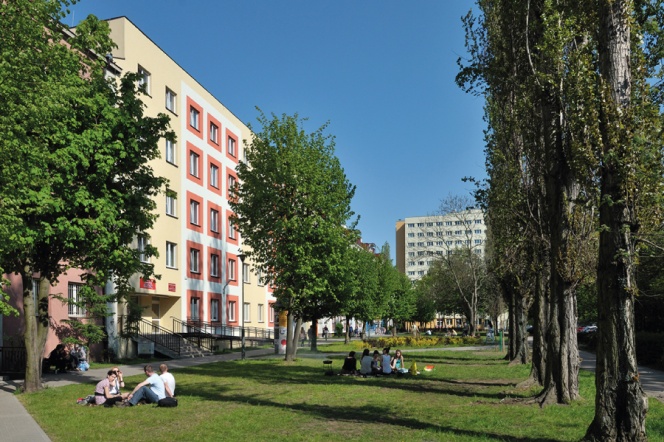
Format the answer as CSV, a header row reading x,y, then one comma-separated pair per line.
x,y
171,287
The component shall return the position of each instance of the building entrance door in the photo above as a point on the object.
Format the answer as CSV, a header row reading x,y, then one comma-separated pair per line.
x,y
155,312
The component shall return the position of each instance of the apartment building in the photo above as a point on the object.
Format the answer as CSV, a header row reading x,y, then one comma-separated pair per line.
x,y
421,239
202,275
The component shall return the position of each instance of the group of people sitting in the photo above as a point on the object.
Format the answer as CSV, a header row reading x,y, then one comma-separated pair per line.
x,y
63,358
374,365
150,391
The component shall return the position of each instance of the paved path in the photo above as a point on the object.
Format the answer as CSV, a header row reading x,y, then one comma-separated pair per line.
x,y
17,425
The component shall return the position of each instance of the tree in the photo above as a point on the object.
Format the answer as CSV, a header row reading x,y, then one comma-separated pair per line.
x,y
292,204
76,187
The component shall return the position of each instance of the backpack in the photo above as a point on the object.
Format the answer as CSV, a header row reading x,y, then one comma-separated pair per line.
x,y
167,402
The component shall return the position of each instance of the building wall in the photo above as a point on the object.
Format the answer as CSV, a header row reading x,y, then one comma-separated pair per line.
x,y
209,144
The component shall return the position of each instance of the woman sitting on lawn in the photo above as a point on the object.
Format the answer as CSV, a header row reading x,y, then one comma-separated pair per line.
x,y
350,364
375,364
397,363
103,395
365,362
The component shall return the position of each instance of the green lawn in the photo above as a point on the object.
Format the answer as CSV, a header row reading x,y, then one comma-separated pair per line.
x,y
269,399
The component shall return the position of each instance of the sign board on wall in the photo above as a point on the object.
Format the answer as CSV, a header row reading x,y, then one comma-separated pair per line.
x,y
149,284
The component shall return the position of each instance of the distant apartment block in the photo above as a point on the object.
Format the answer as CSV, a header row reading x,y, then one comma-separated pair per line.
x,y
421,240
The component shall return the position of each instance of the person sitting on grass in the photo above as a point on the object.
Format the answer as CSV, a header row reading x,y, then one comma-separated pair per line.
x,y
386,363
168,378
397,364
150,390
375,364
103,395
350,365
119,383
365,363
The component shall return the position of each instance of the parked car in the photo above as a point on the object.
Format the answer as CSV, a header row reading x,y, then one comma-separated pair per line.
x,y
589,329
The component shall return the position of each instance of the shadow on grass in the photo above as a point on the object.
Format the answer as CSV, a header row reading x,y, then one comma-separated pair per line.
x,y
303,374
366,414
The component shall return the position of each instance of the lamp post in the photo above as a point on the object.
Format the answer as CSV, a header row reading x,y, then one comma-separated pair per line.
x,y
241,256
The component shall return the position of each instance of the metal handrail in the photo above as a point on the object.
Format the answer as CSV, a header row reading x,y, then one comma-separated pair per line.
x,y
156,334
222,331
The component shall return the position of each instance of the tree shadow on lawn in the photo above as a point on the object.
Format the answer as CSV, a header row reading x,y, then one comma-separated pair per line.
x,y
366,414
454,360
302,375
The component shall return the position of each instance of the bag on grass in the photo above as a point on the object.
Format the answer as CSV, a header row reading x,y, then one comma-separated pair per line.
x,y
167,402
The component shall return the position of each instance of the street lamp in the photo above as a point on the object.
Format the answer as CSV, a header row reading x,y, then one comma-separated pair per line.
x,y
242,256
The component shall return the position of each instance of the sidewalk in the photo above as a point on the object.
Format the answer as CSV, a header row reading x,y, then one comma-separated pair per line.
x,y
17,425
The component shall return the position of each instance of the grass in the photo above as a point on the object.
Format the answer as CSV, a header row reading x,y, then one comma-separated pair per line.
x,y
462,399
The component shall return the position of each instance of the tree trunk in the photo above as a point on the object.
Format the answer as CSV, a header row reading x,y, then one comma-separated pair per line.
x,y
293,336
37,323
620,403
508,293
347,334
314,334
520,337
540,328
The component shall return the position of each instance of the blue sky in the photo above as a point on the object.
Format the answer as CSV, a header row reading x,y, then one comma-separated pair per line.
x,y
380,71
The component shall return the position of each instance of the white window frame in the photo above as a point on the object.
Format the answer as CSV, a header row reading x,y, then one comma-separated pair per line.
x,y
232,305
194,118
231,270
170,152
246,274
74,294
194,166
171,100
194,260
214,133
231,229
259,313
246,313
195,312
171,255
214,310
144,79
214,220
214,176
214,265
142,242
232,147
171,203
194,212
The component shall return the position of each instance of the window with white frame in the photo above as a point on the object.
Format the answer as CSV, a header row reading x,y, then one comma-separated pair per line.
x,y
272,312
194,309
420,224
170,100
214,220
411,253
246,278
231,270
142,246
231,183
171,203
144,79
75,297
478,221
194,207
231,229
247,312
411,224
171,255
214,176
232,306
259,277
170,151
194,260
194,169
194,118
231,147
214,265
214,310
411,244
259,313
411,235
214,133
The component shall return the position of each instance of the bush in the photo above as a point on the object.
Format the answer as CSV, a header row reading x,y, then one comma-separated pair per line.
x,y
433,341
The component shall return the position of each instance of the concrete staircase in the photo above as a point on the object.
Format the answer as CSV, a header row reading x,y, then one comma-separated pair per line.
x,y
187,349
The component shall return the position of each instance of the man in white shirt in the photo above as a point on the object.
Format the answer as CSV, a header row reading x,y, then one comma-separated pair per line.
x,y
152,389
167,378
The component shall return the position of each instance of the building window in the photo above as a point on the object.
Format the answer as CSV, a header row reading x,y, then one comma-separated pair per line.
x,y
231,147
231,270
75,299
478,241
260,313
194,309
171,255
448,233
231,229
272,313
439,223
170,100
478,221
170,152
246,314
171,199
478,231
194,118
214,176
214,133
448,223
420,244
429,243
214,310
142,245
246,277
193,164
194,206
144,79
231,311
231,183
411,253
411,224
194,260
420,224
214,220
214,265
411,235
